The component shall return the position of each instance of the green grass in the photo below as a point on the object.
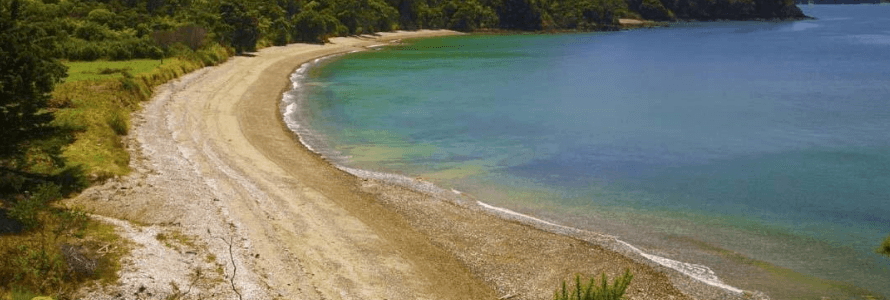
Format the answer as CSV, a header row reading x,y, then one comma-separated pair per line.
x,y
103,237
92,115
95,108
22,295
93,70
32,262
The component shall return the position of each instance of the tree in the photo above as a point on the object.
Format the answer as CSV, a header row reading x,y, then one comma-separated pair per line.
x,y
243,29
313,26
470,15
281,29
520,14
27,76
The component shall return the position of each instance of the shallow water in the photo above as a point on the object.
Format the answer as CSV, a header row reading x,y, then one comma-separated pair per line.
x,y
766,139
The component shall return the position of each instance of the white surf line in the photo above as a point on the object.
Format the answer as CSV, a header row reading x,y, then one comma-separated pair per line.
x,y
697,272
292,104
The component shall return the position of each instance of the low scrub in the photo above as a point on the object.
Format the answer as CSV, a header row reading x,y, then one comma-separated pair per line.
x,y
885,247
593,291
95,111
49,250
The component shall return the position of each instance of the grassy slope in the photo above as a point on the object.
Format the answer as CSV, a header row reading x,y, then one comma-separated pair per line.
x,y
93,112
96,107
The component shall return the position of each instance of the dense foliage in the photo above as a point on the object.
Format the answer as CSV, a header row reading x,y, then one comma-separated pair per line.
x,y
126,29
27,75
715,9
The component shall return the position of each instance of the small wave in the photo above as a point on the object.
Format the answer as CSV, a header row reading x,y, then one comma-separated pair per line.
x,y
699,272
291,105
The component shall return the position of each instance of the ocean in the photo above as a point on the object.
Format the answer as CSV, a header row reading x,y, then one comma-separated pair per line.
x,y
758,149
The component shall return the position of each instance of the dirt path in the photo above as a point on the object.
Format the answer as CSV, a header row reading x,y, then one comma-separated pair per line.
x,y
257,216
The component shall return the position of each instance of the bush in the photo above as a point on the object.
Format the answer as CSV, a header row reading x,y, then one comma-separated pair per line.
x,y
470,15
27,210
78,49
315,27
118,122
885,247
119,51
37,269
102,16
92,31
79,265
280,32
591,291
652,10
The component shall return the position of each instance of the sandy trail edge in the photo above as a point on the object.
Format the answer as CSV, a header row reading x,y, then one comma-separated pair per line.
x,y
261,217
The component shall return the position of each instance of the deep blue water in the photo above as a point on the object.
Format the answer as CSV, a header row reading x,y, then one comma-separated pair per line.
x,y
769,139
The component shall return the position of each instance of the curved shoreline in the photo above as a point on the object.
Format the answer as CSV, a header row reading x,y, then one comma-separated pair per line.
x,y
214,162
700,273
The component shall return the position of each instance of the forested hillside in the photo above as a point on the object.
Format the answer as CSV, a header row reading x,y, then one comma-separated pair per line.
x,y
123,29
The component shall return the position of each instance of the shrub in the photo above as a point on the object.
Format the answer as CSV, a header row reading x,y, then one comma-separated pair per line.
x,y
106,71
470,15
92,31
79,265
27,210
118,122
885,247
592,291
102,16
280,32
315,27
71,222
37,269
119,51
78,49
192,36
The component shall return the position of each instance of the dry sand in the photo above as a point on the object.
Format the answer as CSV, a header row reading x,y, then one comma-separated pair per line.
x,y
248,212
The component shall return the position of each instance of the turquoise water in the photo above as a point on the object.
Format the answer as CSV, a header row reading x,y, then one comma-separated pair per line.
x,y
766,139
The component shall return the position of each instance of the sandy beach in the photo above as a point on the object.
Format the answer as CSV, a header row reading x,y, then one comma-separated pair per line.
x,y
255,215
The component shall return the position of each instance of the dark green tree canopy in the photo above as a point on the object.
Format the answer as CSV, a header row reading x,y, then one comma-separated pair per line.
x,y
28,74
242,26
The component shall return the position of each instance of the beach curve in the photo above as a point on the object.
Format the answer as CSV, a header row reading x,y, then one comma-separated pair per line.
x,y
213,159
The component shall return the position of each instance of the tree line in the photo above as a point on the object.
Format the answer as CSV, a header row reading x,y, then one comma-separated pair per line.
x,y
126,29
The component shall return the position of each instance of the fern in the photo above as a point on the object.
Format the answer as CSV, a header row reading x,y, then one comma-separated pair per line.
x,y
594,291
